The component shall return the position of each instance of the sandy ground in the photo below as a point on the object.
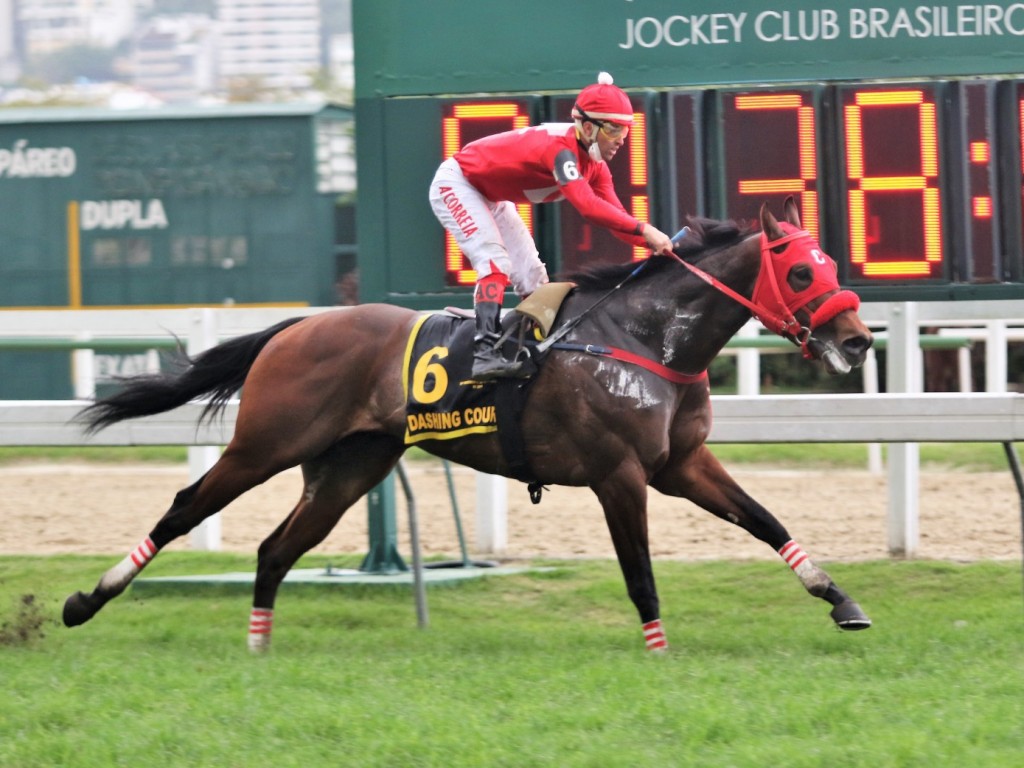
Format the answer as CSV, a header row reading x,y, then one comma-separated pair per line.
x,y
835,515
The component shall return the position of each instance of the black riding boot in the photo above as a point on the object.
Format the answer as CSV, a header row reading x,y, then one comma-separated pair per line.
x,y
488,362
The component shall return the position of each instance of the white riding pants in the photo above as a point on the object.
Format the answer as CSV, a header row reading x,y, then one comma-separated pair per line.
x,y
486,231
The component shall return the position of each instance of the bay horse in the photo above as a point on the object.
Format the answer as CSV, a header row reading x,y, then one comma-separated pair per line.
x,y
325,393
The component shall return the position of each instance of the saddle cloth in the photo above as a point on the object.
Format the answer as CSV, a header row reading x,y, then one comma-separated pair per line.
x,y
441,402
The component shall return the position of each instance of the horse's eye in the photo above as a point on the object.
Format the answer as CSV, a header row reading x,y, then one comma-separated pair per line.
x,y
803,273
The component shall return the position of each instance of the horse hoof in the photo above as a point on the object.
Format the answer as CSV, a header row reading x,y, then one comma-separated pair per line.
x,y
849,616
78,609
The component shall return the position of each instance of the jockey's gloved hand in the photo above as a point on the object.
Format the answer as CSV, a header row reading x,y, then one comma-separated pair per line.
x,y
657,241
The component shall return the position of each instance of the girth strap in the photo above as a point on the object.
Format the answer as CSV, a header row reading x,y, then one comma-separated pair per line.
x,y
510,402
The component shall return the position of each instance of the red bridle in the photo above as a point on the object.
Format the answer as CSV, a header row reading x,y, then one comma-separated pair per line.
x,y
768,304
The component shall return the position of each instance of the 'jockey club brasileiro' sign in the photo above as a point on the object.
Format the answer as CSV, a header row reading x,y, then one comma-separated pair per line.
x,y
774,26
669,43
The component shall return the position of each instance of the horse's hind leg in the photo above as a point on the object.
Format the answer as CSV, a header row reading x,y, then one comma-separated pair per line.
x,y
333,482
703,480
234,473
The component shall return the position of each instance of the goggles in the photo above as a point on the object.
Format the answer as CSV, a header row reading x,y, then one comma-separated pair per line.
x,y
608,128
613,130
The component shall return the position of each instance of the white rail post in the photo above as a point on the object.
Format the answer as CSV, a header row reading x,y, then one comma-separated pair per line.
x,y
83,363
996,368
203,335
869,374
152,361
963,369
491,513
748,364
903,374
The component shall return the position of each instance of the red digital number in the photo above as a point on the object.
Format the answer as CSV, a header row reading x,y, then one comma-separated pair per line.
x,y
462,123
771,152
639,200
893,187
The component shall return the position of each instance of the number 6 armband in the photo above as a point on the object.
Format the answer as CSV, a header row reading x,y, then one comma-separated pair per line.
x,y
566,170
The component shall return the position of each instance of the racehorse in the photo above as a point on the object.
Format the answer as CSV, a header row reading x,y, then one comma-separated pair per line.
x,y
325,392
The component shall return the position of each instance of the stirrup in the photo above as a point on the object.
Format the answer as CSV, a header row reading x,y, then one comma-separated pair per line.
x,y
488,369
489,363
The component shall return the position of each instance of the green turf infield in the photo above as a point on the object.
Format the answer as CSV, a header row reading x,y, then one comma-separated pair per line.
x,y
541,668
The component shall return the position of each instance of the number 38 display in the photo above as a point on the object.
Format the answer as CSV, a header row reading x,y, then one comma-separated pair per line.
x,y
913,184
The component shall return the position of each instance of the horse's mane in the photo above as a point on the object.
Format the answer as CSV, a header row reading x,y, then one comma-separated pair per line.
x,y
705,236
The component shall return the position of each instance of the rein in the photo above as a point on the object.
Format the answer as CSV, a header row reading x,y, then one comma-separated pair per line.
x,y
779,324
553,341
562,332
629,357
783,323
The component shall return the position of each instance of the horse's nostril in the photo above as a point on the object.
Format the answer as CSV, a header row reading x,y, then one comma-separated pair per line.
x,y
857,345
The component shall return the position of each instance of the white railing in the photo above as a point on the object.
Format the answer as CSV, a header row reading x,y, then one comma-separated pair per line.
x,y
896,419
844,419
198,329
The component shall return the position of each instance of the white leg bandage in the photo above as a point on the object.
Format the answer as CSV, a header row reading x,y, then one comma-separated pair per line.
x,y
118,577
261,621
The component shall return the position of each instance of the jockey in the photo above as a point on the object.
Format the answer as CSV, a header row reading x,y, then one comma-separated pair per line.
x,y
474,194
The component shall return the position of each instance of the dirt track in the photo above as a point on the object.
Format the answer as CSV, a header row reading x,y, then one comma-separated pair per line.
x,y
838,515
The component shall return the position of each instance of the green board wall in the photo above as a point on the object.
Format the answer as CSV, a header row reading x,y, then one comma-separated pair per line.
x,y
175,207
163,208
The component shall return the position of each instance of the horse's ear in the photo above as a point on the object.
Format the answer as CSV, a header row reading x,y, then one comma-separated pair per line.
x,y
792,211
769,225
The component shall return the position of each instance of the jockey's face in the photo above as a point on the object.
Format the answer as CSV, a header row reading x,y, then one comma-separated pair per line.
x,y
610,137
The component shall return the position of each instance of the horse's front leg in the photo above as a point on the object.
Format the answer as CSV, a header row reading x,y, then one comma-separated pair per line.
x,y
703,480
623,497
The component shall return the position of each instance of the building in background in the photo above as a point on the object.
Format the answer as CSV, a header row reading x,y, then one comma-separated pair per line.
x,y
276,43
10,63
341,56
174,58
178,52
47,26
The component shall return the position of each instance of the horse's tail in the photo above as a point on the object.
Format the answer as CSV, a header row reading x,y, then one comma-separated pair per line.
x,y
217,372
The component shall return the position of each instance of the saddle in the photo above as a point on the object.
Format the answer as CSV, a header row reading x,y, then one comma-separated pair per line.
x,y
443,402
537,312
542,305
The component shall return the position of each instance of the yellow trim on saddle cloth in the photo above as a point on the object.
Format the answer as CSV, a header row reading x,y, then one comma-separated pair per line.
x,y
408,353
481,430
465,413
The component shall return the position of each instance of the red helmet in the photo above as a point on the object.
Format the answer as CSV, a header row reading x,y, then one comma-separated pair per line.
x,y
603,103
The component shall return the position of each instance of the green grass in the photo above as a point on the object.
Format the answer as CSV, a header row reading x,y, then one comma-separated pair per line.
x,y
545,669
976,457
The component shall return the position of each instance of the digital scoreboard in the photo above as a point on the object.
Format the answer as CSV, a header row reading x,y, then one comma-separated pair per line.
x,y
899,130
904,183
